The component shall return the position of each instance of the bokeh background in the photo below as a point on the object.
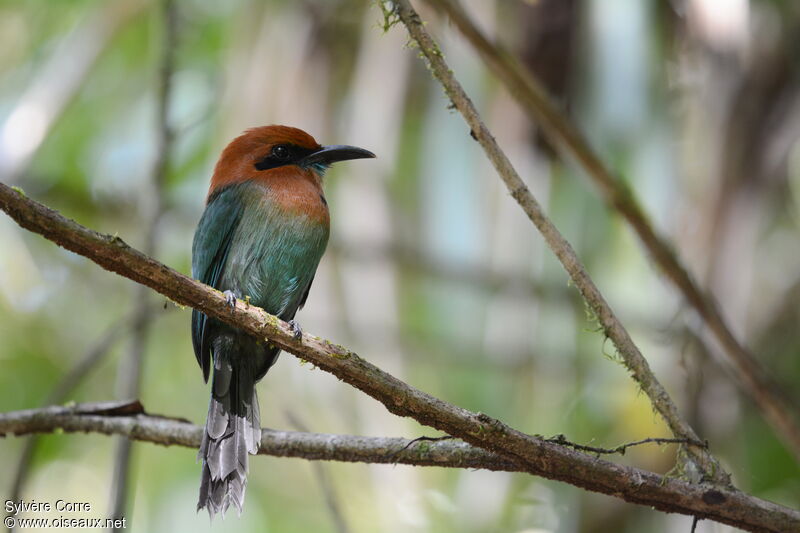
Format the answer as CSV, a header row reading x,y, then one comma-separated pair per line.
x,y
433,272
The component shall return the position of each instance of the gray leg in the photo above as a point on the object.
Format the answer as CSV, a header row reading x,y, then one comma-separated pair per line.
x,y
230,298
297,331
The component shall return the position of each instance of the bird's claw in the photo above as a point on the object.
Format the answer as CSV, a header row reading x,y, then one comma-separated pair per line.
x,y
297,331
230,298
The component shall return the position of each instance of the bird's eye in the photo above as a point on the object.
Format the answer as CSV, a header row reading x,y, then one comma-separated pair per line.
x,y
280,152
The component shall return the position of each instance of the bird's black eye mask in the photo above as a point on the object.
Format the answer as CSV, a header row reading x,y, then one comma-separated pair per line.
x,y
282,155
319,158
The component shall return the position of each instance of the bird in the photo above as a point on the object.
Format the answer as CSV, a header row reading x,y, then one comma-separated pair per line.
x,y
260,238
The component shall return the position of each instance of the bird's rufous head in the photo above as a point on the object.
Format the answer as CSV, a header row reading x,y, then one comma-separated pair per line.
x,y
259,151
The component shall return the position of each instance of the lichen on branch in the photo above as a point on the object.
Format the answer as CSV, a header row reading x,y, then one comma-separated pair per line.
x,y
527,453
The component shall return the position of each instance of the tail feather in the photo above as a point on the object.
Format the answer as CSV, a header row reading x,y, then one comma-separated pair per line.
x,y
217,419
232,430
251,426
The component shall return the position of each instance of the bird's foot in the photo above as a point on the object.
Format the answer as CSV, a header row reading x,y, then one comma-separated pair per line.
x,y
297,331
230,298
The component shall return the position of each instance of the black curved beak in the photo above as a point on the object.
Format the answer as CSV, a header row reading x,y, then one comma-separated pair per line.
x,y
337,152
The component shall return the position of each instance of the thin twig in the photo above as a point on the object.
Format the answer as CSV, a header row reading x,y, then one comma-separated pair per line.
x,y
419,439
130,419
530,94
528,453
638,366
622,448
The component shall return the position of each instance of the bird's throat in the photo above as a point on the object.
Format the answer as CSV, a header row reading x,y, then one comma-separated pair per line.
x,y
297,192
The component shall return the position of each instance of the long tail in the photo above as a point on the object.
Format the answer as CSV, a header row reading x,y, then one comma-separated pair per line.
x,y
232,431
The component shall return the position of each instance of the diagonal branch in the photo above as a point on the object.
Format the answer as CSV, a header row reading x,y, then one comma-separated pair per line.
x,y
529,453
634,360
129,370
533,98
323,479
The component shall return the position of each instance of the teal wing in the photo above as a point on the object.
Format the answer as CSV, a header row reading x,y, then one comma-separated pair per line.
x,y
304,298
212,243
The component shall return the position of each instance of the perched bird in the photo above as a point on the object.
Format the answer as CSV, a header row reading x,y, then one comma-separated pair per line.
x,y
261,236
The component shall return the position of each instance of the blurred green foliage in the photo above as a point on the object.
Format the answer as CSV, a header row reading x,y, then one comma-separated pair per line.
x,y
433,272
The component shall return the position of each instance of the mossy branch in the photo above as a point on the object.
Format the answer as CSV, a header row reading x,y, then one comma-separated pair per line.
x,y
637,365
562,133
527,453
130,419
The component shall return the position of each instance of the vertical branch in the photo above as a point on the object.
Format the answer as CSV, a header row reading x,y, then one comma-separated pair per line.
x,y
613,328
60,392
130,369
533,98
324,481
